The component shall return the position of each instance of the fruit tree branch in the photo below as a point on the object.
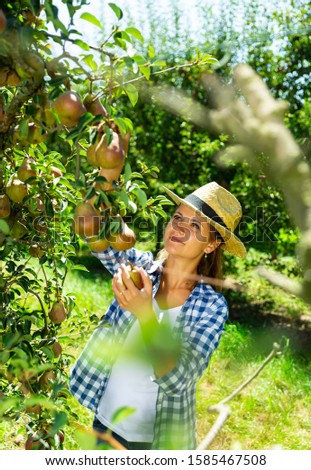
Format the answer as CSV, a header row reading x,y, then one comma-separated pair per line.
x,y
223,410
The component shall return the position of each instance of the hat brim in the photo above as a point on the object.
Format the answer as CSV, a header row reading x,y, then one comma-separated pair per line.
x,y
231,244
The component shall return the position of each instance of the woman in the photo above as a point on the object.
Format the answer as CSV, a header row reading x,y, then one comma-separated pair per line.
x,y
154,344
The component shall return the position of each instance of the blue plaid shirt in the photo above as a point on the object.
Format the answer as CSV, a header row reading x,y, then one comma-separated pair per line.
x,y
199,327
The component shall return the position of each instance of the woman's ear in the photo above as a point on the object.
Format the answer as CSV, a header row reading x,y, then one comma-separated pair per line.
x,y
212,246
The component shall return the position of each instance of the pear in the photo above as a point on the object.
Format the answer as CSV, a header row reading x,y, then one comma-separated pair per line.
x,y
57,349
35,206
110,156
97,244
135,275
35,251
111,175
56,172
13,79
4,72
47,376
126,141
5,208
36,409
18,230
123,240
58,313
16,190
34,443
91,154
26,171
86,222
3,22
94,106
69,108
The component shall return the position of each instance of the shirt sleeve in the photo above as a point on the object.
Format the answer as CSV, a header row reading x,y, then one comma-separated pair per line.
x,y
199,341
112,259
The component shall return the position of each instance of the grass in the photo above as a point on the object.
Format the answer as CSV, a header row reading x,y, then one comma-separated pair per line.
x,y
273,411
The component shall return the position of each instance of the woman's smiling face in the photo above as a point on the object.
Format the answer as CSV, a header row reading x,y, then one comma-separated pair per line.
x,y
188,234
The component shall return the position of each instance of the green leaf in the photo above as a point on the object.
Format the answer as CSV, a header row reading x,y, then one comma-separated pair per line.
x,y
121,125
80,267
23,128
91,19
151,52
145,70
122,196
135,33
118,12
208,59
141,195
48,352
121,414
127,172
89,60
85,440
60,420
81,44
161,212
132,93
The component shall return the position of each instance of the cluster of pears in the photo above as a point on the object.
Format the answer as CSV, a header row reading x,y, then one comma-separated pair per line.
x,y
12,202
18,68
87,223
70,107
29,66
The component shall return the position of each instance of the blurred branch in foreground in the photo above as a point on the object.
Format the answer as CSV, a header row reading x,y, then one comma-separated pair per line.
x,y
223,410
248,113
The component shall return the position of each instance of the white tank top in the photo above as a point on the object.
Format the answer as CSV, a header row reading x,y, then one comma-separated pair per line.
x,y
131,385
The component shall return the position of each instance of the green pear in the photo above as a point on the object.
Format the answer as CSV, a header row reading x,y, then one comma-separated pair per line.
x,y
16,190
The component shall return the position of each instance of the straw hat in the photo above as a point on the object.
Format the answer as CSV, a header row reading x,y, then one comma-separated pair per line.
x,y
222,210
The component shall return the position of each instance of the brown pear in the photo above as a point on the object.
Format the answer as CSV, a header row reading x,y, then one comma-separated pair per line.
x,y
13,79
16,190
4,72
57,349
58,312
69,108
110,156
97,244
56,172
94,106
111,175
5,208
35,251
36,409
3,22
2,113
26,170
126,141
123,240
86,222
46,378
33,443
